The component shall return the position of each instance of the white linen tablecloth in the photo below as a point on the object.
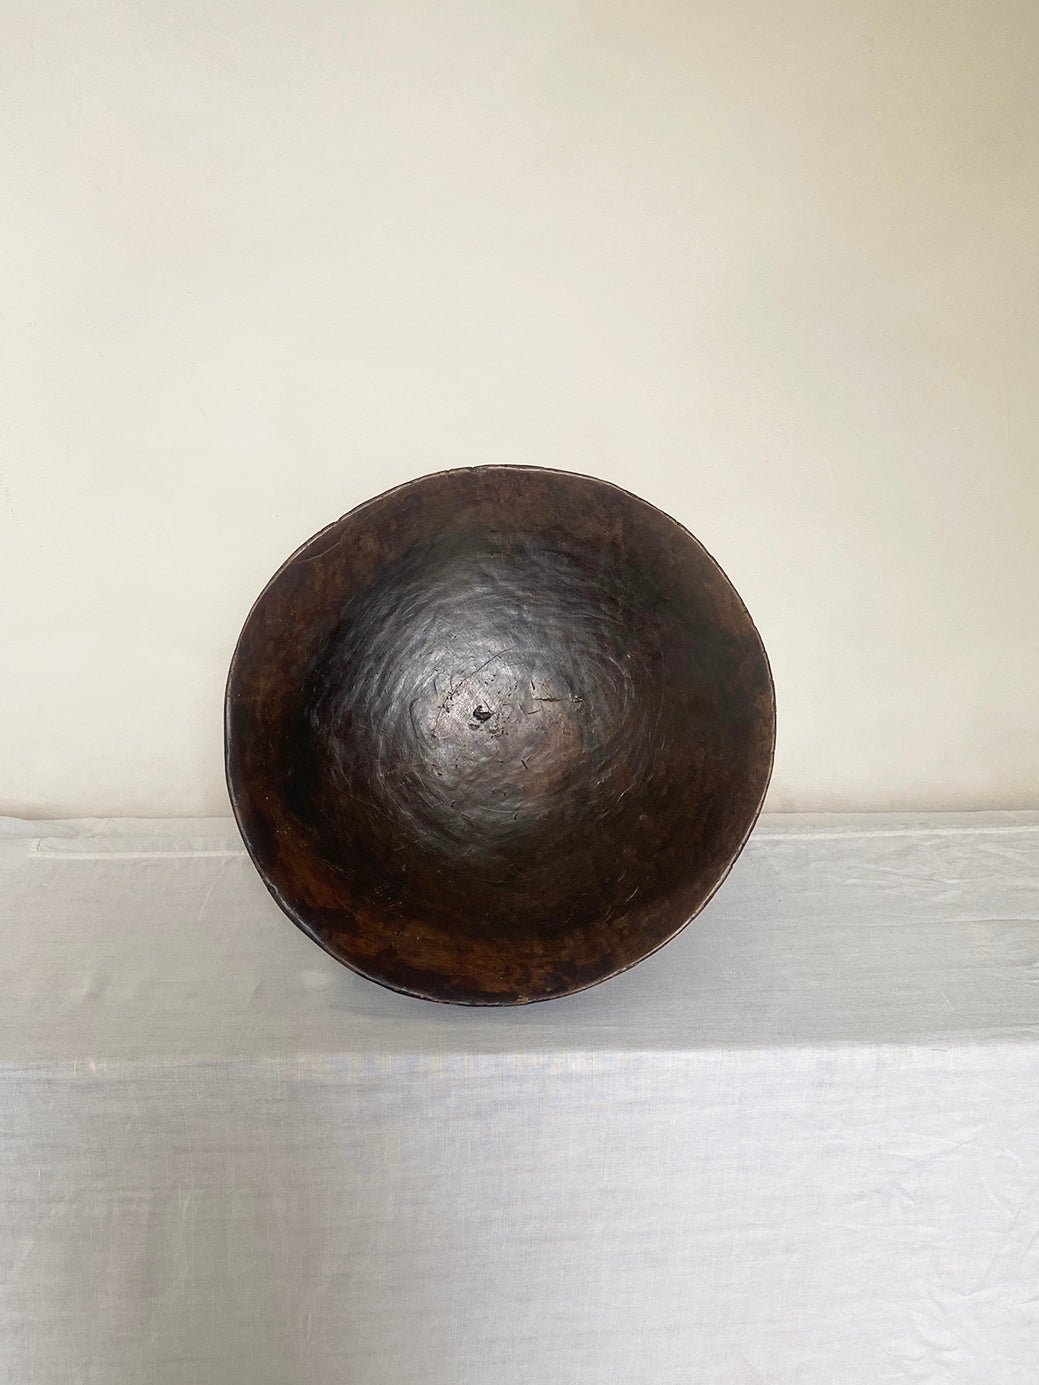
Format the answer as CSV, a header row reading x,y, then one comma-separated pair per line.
x,y
799,1144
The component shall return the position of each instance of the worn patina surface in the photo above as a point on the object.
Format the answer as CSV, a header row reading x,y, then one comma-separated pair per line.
x,y
498,734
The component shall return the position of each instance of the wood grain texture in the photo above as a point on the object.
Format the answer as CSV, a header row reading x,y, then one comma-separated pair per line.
x,y
498,734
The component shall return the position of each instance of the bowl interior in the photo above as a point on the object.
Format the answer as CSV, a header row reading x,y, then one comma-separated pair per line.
x,y
497,734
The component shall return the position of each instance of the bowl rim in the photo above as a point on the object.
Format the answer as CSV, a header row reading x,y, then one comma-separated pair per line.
x,y
296,917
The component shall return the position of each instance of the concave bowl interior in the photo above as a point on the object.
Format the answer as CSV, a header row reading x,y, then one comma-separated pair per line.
x,y
497,734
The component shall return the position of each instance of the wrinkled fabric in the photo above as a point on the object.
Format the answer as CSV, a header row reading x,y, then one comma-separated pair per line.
x,y
799,1144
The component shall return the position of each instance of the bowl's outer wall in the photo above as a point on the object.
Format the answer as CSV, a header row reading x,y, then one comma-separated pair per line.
x,y
497,734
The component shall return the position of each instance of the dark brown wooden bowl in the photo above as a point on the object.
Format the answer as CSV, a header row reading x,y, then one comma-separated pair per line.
x,y
497,734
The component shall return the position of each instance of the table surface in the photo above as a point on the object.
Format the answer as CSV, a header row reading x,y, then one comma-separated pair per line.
x,y
154,940
800,1144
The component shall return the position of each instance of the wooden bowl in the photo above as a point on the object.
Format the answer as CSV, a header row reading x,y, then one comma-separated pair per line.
x,y
497,734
